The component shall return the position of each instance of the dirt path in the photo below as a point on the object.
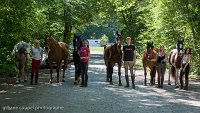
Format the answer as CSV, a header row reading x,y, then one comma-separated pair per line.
x,y
99,96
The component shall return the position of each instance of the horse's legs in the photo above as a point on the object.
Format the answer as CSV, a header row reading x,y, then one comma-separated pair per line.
x,y
169,82
110,74
176,78
145,76
153,75
107,76
119,73
58,71
51,71
64,67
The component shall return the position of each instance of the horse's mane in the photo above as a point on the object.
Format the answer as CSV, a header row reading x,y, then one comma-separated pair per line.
x,y
53,42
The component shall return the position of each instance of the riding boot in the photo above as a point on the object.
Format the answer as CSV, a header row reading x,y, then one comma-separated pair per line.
x,y
161,85
181,82
127,80
186,85
32,76
133,81
86,80
159,81
82,81
36,78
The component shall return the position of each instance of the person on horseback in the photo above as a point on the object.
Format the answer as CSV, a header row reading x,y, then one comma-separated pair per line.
x,y
129,58
84,54
36,53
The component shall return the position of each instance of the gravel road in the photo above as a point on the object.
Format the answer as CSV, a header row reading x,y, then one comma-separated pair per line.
x,y
99,96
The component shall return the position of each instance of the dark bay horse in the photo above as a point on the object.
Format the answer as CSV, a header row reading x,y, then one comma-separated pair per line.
x,y
77,43
149,59
21,55
175,60
112,55
57,51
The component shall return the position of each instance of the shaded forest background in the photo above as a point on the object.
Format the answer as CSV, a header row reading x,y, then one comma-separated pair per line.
x,y
160,21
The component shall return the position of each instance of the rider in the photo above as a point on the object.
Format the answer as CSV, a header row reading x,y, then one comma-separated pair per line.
x,y
84,54
161,65
185,68
129,58
36,53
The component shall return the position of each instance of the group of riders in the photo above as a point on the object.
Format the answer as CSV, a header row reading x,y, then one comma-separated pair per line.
x,y
128,59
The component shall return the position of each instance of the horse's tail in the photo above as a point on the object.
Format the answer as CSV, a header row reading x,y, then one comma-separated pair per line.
x,y
173,71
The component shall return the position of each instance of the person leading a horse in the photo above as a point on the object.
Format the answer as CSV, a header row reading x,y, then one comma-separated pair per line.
x,y
129,58
36,53
84,54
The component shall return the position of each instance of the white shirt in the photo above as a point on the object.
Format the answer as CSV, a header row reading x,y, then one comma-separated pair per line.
x,y
36,53
185,58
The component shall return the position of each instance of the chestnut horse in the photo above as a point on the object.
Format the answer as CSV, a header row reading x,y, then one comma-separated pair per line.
x,y
57,51
149,59
175,60
112,55
77,43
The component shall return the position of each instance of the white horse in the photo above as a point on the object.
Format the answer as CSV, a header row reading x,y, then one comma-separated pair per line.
x,y
21,55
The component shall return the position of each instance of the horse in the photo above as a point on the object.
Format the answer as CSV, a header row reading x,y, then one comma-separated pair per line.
x,y
149,59
112,55
57,51
77,43
20,56
175,61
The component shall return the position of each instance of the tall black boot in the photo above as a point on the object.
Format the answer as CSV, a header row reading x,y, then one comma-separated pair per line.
x,y
127,80
36,78
86,80
186,85
82,81
133,81
32,75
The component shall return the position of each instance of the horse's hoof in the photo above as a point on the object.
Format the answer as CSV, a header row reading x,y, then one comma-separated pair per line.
x,y
177,86
185,88
50,81
169,84
120,84
107,80
17,81
57,81
25,80
63,80
111,83
145,84
75,82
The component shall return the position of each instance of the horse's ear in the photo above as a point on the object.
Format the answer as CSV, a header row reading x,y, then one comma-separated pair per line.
x,y
183,40
152,42
121,32
147,42
74,35
178,40
117,33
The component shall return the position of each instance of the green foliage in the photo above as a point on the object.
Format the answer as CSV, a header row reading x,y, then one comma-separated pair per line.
x,y
103,40
160,21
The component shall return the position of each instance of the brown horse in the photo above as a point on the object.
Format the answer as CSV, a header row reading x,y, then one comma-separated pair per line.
x,y
112,55
175,60
57,51
149,59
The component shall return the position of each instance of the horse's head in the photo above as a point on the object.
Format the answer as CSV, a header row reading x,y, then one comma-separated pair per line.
x,y
118,41
179,47
77,42
48,41
149,48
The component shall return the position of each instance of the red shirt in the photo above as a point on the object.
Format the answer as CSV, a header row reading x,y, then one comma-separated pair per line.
x,y
84,52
